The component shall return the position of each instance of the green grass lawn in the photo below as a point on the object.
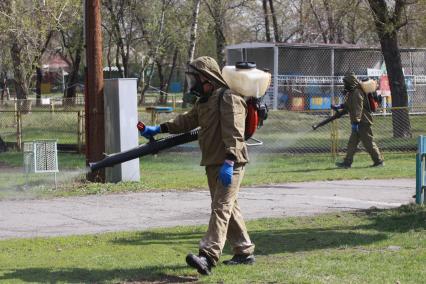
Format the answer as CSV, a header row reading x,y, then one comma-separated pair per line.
x,y
181,171
373,246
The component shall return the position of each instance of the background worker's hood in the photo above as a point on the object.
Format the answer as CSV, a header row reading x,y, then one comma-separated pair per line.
x,y
350,81
209,68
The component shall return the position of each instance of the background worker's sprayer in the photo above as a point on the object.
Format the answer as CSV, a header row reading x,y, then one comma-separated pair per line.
x,y
337,115
369,88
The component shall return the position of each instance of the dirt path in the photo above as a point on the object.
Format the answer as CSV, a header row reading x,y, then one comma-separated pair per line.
x,y
138,211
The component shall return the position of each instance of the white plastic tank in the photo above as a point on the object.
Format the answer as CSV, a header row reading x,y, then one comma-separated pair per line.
x,y
369,86
245,79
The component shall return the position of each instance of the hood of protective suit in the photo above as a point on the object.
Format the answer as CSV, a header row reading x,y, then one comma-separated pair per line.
x,y
350,81
209,68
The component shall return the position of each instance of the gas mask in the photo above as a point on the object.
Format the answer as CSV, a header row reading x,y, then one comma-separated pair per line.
x,y
195,86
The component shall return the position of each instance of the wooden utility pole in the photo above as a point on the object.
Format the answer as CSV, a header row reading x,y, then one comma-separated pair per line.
x,y
94,87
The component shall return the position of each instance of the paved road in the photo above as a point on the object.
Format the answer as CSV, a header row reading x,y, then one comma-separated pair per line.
x,y
138,211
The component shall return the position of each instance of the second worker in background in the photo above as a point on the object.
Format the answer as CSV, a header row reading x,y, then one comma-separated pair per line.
x,y
357,105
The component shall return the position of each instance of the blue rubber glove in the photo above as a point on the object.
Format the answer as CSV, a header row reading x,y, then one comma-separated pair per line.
x,y
150,131
225,173
337,107
355,127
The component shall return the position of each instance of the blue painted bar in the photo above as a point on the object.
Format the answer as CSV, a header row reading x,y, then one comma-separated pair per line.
x,y
420,169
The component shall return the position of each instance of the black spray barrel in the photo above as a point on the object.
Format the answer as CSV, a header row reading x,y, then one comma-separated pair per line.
x,y
337,115
152,147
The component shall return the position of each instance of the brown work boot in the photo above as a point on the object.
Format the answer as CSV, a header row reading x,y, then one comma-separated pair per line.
x,y
199,262
241,259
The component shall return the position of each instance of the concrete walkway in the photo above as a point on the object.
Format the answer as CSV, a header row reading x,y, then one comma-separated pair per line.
x,y
138,211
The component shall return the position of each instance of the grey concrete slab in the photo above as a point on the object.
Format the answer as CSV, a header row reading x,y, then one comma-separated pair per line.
x,y
139,211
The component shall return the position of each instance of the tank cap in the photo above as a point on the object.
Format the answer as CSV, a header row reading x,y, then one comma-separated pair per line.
x,y
245,65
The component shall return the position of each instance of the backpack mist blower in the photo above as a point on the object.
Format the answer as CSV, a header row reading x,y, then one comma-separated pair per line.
x,y
244,79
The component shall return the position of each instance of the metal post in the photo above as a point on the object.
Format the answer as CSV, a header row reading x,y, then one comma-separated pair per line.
x,y
63,80
18,130
420,170
80,131
419,179
276,54
334,127
334,138
332,76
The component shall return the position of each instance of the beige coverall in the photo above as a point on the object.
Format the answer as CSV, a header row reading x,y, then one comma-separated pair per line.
x,y
359,111
221,134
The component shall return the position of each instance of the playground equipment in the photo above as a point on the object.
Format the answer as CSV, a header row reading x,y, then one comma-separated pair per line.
x,y
420,170
41,156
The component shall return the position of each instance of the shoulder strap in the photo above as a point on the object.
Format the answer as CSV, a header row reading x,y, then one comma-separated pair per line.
x,y
366,98
219,100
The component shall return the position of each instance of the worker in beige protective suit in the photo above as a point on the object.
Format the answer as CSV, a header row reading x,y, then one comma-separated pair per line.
x,y
358,107
221,115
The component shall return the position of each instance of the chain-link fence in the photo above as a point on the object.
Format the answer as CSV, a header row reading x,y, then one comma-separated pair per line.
x,y
284,131
308,77
291,132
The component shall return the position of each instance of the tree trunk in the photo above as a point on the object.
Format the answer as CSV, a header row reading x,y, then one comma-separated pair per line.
x,y
125,62
319,22
108,56
5,89
387,24
21,88
161,78
148,82
70,92
266,16
117,62
330,22
217,12
172,70
39,78
192,40
3,146
391,54
274,21
142,82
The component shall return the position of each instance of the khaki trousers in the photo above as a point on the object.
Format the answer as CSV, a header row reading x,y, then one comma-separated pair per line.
x,y
365,135
226,221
